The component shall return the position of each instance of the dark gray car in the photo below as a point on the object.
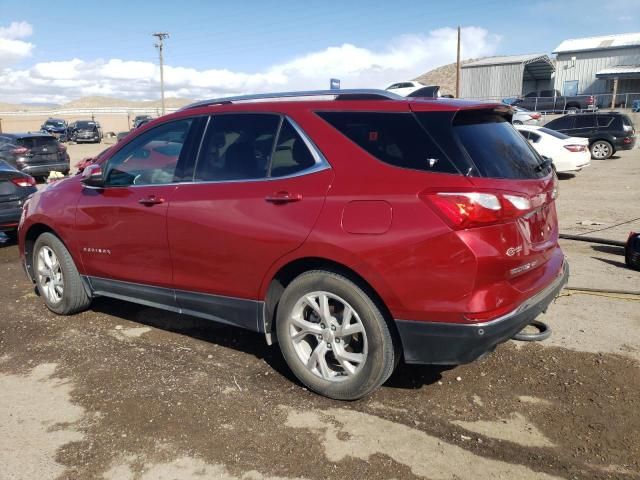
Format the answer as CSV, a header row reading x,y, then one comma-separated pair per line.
x,y
36,154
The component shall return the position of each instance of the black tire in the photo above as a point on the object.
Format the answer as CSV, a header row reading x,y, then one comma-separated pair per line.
x,y
380,359
74,298
573,110
601,150
517,122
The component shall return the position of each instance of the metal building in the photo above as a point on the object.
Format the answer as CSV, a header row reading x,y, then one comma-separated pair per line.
x,y
597,65
509,76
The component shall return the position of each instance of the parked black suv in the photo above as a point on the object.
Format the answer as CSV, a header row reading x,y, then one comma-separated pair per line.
x,y
85,131
36,154
607,132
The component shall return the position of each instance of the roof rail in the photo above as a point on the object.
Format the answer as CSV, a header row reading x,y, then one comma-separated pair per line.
x,y
348,94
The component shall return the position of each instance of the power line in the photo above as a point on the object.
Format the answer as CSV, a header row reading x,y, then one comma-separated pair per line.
x,y
160,46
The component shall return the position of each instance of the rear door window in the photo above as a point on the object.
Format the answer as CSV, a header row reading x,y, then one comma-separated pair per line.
x,y
291,154
237,147
495,147
585,121
393,138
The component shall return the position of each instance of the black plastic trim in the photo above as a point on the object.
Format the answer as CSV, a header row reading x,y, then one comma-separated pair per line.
x,y
454,343
239,312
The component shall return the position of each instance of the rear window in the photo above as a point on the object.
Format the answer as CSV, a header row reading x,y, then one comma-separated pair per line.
x,y
38,142
553,133
626,121
393,138
85,125
495,147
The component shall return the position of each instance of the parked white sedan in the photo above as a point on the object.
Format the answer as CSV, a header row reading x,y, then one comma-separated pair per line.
x,y
522,116
568,154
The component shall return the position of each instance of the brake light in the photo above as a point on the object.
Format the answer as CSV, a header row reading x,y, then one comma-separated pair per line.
x,y
535,116
24,181
627,140
576,148
20,151
61,148
474,209
590,100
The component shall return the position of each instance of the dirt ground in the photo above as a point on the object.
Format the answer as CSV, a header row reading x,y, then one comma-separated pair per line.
x,y
129,392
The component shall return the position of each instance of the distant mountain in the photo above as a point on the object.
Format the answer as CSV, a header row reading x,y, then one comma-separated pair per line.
x,y
95,102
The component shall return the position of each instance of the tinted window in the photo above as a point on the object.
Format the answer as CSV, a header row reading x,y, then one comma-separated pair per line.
x,y
604,121
626,121
85,125
562,123
553,133
585,121
38,142
151,158
548,93
495,147
291,154
237,147
394,138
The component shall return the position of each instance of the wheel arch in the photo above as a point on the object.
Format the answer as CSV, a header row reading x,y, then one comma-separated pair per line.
x,y
289,271
30,237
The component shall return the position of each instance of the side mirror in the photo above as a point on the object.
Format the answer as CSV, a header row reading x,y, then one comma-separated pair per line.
x,y
92,176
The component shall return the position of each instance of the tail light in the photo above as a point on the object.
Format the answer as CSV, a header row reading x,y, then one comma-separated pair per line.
x,y
475,209
61,148
576,148
535,116
591,100
626,140
20,151
24,181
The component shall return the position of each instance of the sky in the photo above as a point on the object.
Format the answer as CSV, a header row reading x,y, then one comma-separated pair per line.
x,y
56,52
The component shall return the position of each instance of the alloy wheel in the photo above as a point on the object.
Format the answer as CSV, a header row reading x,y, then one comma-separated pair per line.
x,y
328,336
50,276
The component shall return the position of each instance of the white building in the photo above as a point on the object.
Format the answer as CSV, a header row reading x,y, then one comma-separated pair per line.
x,y
598,65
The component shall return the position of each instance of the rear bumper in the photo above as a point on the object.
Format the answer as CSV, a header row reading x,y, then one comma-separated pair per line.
x,y
620,145
455,343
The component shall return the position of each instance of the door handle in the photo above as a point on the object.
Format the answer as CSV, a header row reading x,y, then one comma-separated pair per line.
x,y
151,200
283,197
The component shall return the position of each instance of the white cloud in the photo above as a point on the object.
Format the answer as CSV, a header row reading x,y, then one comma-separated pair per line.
x,y
405,57
11,48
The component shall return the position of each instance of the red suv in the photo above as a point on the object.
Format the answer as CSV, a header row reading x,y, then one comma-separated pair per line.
x,y
355,228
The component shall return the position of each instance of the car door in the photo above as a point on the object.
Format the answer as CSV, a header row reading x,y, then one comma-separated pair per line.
x,y
584,126
259,187
122,227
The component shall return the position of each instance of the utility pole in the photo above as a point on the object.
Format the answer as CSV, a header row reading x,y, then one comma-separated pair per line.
x,y
458,67
160,46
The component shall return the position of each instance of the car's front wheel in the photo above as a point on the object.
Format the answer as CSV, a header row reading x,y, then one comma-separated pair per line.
x,y
333,336
601,150
57,277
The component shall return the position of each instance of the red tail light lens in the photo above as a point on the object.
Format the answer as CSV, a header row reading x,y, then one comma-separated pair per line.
x,y
576,148
62,148
626,140
20,151
474,209
24,181
590,100
535,116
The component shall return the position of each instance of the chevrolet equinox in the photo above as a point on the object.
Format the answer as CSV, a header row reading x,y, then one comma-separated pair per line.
x,y
355,228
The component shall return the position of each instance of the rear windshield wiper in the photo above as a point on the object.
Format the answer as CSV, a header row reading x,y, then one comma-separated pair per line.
x,y
546,163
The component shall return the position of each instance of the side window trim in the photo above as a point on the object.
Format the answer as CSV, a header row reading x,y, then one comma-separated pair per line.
x,y
276,140
321,162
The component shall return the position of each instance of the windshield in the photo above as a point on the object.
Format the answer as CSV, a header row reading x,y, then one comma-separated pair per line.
x,y
553,133
85,125
54,123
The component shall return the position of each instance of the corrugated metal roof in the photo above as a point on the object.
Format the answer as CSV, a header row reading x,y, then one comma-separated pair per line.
x,y
620,71
599,43
507,59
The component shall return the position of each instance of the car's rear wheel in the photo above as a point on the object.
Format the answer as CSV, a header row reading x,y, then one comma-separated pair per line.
x,y
57,277
517,122
333,336
601,150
